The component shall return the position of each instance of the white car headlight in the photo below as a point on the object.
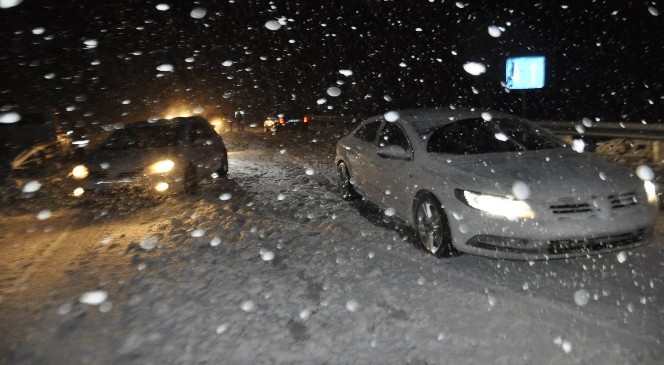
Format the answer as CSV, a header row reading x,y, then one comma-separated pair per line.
x,y
80,172
651,191
499,206
162,167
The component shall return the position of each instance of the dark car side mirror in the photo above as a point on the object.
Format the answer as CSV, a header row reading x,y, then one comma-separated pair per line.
x,y
393,152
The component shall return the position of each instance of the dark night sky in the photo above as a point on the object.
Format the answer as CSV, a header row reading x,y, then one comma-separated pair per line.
x,y
606,58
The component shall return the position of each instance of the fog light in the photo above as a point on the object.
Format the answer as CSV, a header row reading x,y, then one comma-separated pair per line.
x,y
80,172
78,191
161,186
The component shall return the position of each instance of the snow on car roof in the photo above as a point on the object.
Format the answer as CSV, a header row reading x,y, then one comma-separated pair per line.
x,y
424,119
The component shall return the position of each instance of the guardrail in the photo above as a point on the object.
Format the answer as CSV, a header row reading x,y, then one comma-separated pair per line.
x,y
651,132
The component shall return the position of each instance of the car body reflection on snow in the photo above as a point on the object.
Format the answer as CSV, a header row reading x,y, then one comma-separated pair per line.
x,y
493,184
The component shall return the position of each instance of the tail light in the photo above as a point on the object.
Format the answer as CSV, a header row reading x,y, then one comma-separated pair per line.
x,y
282,121
306,119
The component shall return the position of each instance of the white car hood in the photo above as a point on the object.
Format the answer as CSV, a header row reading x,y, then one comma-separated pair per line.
x,y
549,174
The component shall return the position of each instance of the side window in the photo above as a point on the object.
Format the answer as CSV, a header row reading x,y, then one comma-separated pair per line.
x,y
392,134
448,139
368,132
469,137
199,133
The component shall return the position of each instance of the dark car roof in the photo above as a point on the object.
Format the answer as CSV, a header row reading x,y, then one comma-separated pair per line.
x,y
167,122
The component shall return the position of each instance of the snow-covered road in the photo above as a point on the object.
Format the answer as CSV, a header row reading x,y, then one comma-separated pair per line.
x,y
281,270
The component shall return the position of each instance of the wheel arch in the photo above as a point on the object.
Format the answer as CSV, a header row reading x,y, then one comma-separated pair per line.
x,y
428,193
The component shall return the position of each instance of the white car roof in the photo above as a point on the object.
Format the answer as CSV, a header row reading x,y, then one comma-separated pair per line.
x,y
425,119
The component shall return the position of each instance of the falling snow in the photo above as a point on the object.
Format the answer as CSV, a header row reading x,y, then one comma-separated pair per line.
x,y
581,297
266,255
198,233
9,118
521,190
352,305
248,306
44,214
653,11
6,4
198,13
31,186
474,68
149,243
578,145
645,173
272,25
391,116
95,297
333,91
495,31
165,67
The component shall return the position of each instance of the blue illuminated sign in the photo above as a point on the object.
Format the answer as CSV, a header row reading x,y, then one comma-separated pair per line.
x,y
523,73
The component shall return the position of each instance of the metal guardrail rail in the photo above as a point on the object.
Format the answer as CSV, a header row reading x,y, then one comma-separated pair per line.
x,y
651,132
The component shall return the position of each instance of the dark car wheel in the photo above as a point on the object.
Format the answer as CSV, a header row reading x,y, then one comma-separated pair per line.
x,y
190,179
433,230
345,186
223,169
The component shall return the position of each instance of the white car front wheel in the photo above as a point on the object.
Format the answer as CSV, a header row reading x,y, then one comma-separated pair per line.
x,y
433,231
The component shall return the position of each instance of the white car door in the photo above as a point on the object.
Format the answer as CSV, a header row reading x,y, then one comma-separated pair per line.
x,y
394,174
361,152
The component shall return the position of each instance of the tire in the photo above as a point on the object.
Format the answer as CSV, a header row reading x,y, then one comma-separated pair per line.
x,y
190,181
223,169
432,227
344,184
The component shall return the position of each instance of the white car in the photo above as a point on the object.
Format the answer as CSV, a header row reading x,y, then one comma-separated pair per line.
x,y
493,184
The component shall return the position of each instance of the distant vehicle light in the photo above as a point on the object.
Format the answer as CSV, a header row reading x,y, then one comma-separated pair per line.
x,y
80,172
282,120
162,167
651,191
161,186
81,142
500,206
306,119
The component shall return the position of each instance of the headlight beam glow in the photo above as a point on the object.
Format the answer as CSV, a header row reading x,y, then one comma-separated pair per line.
x,y
162,167
651,191
80,172
499,206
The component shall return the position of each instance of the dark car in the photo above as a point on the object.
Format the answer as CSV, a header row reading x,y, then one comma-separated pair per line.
x,y
169,155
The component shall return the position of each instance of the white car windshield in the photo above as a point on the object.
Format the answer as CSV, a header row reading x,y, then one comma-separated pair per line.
x,y
475,136
147,136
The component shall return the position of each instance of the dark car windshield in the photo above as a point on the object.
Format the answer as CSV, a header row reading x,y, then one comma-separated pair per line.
x,y
145,136
476,136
